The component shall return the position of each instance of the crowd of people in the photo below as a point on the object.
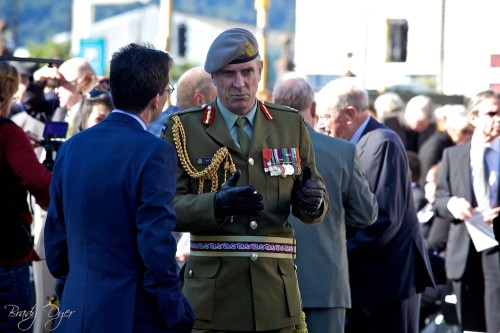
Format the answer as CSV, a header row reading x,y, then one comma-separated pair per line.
x,y
199,207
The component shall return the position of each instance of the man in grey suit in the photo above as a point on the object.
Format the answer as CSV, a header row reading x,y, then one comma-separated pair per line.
x,y
325,296
475,275
388,263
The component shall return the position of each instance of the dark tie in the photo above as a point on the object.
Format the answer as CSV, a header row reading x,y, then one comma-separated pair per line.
x,y
242,135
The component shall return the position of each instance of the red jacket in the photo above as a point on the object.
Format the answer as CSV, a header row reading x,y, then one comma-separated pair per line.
x,y
20,172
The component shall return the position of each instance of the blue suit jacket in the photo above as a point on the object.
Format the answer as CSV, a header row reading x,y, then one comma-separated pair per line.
x,y
108,230
387,260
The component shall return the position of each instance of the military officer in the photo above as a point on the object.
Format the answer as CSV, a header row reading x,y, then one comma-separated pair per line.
x,y
240,275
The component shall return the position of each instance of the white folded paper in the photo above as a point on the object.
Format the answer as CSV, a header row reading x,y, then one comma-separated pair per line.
x,y
480,232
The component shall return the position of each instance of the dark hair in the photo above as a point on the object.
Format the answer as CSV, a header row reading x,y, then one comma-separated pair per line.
x,y
95,97
137,74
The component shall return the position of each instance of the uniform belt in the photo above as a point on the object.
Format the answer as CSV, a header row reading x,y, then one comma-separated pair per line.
x,y
243,246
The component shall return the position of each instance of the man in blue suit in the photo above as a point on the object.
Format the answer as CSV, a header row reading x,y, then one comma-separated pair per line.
x,y
108,232
388,263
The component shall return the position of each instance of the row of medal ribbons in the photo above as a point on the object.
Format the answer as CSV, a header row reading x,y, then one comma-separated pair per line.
x,y
281,161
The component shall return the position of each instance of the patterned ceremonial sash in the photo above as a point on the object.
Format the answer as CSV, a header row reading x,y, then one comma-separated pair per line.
x,y
243,246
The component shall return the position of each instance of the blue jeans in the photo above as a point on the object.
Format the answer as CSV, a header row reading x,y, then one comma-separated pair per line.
x,y
17,312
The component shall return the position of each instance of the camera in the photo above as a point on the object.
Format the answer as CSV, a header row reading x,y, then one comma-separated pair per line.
x,y
54,135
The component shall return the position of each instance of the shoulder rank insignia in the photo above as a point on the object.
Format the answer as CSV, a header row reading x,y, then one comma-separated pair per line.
x,y
265,111
208,115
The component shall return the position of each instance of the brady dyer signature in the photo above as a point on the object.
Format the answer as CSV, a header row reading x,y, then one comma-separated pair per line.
x,y
27,317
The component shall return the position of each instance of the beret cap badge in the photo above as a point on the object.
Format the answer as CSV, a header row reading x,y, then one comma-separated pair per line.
x,y
248,49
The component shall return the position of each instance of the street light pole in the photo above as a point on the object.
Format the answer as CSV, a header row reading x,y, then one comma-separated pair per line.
x,y
261,7
166,23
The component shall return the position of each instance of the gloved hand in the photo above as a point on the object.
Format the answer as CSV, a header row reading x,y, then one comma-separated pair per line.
x,y
311,193
237,200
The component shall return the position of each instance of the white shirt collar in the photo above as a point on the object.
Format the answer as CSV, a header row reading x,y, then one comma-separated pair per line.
x,y
136,117
357,135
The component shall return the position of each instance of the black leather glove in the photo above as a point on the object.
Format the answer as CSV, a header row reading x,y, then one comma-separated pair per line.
x,y
237,200
311,193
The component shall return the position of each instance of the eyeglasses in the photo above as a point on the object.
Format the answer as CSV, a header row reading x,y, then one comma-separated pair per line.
x,y
169,90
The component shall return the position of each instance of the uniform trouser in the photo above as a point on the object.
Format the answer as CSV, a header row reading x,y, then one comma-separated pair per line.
x,y
282,330
325,320
478,292
397,317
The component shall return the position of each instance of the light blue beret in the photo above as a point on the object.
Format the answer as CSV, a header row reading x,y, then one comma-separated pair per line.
x,y
233,46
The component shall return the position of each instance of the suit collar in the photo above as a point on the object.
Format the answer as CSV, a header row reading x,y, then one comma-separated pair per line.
x,y
372,125
125,118
359,132
464,171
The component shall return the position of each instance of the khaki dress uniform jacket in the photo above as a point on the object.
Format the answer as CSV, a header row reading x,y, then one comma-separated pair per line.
x,y
242,293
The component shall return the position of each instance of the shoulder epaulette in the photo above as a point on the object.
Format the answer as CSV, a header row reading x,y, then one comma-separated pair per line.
x,y
208,113
193,109
279,107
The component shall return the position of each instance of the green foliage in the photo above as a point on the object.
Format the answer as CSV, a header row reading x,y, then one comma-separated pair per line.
x,y
50,50
178,69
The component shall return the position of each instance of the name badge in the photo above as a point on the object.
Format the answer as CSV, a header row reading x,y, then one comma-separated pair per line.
x,y
203,160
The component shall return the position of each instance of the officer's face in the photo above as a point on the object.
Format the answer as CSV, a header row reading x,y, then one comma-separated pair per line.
x,y
237,85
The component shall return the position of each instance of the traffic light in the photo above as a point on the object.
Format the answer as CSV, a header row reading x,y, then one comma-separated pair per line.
x,y
181,38
397,31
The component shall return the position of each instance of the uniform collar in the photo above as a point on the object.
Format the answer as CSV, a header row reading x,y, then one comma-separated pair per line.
x,y
230,117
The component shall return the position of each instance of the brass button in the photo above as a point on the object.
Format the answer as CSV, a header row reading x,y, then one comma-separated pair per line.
x,y
190,273
251,161
253,225
254,256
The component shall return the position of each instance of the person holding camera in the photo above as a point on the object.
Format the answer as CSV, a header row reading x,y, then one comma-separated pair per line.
x,y
20,173
74,78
